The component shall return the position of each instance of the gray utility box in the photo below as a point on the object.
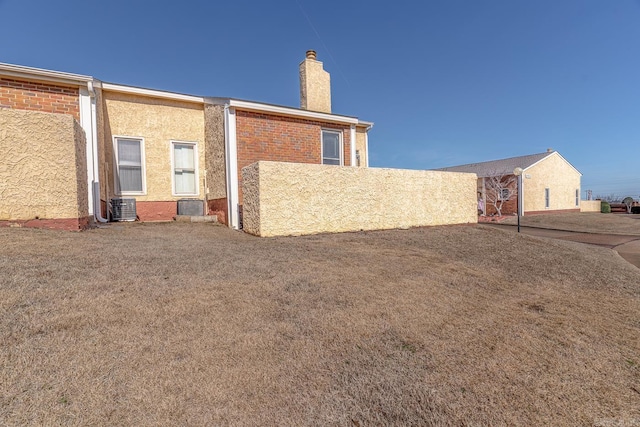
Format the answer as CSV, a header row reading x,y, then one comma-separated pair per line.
x,y
123,209
191,207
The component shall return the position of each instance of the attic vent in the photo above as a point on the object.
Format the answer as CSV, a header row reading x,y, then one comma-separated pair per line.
x,y
123,209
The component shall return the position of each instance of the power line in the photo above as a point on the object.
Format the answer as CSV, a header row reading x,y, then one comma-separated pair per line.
x,y
322,42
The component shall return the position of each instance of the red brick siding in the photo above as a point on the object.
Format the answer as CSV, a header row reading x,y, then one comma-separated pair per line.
x,y
284,139
156,211
218,207
48,98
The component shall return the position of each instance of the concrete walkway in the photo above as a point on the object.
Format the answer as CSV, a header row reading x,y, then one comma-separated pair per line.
x,y
627,246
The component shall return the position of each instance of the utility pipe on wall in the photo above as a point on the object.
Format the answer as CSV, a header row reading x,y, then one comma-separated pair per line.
x,y
97,208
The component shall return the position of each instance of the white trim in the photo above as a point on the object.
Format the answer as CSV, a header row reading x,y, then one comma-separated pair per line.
x,y
352,144
288,111
231,148
86,122
116,182
31,73
196,171
366,147
151,92
340,141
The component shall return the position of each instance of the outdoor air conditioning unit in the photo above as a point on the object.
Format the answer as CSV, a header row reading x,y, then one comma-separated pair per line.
x,y
123,209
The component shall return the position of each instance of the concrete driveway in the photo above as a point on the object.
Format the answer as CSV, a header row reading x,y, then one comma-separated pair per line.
x,y
627,246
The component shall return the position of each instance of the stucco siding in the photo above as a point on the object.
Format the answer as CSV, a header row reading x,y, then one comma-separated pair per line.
x,y
158,122
559,176
215,152
293,199
43,171
590,205
361,146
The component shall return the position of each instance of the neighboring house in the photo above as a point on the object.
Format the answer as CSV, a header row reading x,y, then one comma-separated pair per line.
x,y
549,183
73,145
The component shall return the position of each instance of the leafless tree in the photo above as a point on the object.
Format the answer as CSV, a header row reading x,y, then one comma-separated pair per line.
x,y
499,188
628,201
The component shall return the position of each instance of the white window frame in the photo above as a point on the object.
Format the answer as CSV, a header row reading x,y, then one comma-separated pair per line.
x,y
547,198
116,172
172,143
341,148
502,194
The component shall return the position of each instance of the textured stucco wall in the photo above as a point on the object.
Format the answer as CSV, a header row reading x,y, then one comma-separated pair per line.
x,y
361,145
556,174
291,199
43,170
215,152
158,121
590,205
315,86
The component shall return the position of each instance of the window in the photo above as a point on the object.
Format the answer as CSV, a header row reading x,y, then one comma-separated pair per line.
x,y
331,147
546,198
129,176
577,197
504,194
184,156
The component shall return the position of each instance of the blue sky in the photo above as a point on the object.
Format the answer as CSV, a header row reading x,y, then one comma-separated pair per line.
x,y
446,82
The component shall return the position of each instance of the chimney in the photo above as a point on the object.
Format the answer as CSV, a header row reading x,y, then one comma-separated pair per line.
x,y
549,150
315,85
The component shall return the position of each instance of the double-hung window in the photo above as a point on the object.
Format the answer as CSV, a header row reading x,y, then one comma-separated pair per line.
x,y
129,153
184,157
577,197
331,147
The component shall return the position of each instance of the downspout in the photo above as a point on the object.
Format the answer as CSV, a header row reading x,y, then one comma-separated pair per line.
x,y
231,159
352,142
97,208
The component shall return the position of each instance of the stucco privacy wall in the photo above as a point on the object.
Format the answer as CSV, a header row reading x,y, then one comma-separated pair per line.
x,y
43,169
590,205
158,122
560,177
293,199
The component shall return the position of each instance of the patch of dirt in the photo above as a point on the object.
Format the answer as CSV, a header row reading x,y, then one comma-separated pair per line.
x,y
194,324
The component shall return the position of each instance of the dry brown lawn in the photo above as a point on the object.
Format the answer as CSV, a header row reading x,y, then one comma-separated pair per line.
x,y
588,222
194,324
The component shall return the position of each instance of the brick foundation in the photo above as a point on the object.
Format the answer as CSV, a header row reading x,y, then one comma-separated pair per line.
x,y
557,211
219,208
43,97
156,211
69,224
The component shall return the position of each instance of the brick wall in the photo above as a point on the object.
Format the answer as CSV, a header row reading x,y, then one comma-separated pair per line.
x,y
47,98
276,138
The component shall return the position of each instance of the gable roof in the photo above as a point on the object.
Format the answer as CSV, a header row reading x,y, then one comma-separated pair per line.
x,y
501,166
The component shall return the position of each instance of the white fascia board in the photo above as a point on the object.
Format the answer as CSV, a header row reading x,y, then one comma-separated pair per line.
x,y
368,125
30,73
292,112
151,93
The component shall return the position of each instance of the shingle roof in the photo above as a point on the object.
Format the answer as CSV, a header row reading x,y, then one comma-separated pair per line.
x,y
499,167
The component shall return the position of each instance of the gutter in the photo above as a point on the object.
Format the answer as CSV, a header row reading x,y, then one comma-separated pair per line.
x,y
97,208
